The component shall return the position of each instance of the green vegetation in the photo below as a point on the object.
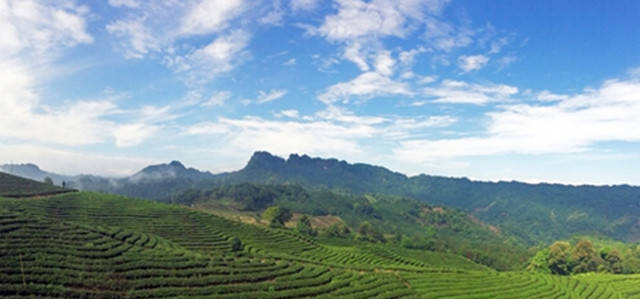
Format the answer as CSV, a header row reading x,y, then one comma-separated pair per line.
x,y
91,245
87,245
276,216
583,255
368,217
13,186
531,214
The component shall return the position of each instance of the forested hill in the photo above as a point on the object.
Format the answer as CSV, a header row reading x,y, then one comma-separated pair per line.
x,y
532,212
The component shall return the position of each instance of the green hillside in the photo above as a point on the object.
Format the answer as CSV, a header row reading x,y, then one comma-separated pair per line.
x,y
13,186
408,222
88,245
532,213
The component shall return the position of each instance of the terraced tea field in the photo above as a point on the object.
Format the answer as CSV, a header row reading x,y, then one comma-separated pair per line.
x,y
13,186
87,245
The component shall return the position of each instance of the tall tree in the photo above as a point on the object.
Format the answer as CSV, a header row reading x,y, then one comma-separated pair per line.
x,y
613,261
304,226
585,257
276,216
559,259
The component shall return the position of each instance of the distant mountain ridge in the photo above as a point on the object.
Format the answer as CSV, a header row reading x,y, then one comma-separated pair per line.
x,y
33,172
530,212
173,170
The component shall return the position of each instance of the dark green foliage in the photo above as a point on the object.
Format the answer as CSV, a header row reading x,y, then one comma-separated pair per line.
x,y
426,227
559,258
236,244
530,213
366,232
276,216
48,180
612,260
584,257
304,226
540,262
338,231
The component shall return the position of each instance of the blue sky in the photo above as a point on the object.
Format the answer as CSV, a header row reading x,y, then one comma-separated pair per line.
x,y
510,90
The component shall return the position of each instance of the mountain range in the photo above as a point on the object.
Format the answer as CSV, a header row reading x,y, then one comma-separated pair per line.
x,y
532,213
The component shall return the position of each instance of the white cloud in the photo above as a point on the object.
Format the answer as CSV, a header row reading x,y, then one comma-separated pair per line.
x,y
43,29
125,3
331,132
281,137
137,38
40,28
353,54
303,5
547,96
427,79
290,113
219,56
210,16
472,63
384,64
71,162
446,37
133,134
407,58
290,62
275,16
569,125
272,95
365,86
161,28
217,99
377,18
497,45
25,118
450,91
207,128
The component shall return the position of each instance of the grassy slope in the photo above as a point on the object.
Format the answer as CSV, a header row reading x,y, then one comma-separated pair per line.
x,y
417,223
88,245
13,186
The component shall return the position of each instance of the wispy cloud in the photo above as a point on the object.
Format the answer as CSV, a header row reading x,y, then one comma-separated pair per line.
x,y
571,124
459,92
217,99
365,86
472,63
272,95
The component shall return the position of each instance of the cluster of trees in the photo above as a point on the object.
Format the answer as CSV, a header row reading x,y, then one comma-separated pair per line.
x,y
563,258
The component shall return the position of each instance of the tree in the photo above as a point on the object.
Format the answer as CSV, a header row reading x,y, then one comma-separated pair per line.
x,y
613,261
236,244
366,232
276,216
304,226
585,257
540,263
338,230
48,180
559,258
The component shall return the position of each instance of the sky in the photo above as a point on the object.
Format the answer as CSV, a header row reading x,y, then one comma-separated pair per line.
x,y
535,91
